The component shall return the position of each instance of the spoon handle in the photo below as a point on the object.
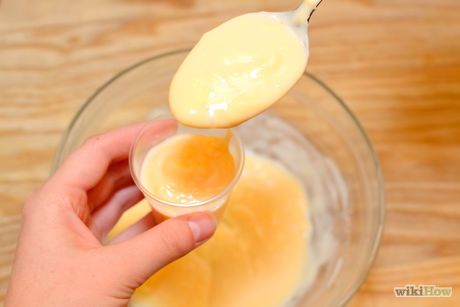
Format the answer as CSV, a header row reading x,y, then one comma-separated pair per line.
x,y
305,11
311,13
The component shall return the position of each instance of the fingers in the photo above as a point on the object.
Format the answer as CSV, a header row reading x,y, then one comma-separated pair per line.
x,y
144,224
88,164
118,176
150,251
105,218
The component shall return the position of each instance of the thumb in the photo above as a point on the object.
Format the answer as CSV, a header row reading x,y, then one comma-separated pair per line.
x,y
143,255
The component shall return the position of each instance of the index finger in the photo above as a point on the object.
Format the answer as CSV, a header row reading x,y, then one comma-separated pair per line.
x,y
87,165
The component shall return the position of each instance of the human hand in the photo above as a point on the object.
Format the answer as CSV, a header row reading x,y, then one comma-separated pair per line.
x,y
60,259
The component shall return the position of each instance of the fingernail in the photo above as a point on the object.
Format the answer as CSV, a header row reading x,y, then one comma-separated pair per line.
x,y
202,228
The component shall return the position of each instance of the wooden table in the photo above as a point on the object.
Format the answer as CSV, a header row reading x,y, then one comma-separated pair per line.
x,y
396,62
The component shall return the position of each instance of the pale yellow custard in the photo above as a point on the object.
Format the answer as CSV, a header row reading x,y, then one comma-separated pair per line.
x,y
236,71
256,258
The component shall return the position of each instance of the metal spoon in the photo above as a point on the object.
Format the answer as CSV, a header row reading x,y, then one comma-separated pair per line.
x,y
298,19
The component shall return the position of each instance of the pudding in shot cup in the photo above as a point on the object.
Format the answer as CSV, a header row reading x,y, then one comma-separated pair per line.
x,y
181,170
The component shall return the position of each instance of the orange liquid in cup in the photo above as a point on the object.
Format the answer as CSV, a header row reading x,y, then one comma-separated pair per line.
x,y
188,169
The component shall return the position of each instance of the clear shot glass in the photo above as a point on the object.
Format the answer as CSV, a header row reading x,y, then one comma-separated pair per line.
x,y
157,131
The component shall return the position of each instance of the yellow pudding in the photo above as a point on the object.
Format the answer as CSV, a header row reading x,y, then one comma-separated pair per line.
x,y
256,257
236,71
188,168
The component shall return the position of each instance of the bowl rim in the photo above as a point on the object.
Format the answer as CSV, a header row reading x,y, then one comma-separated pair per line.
x,y
381,189
58,158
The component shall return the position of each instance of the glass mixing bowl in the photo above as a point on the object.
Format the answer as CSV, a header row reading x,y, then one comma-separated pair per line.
x,y
311,132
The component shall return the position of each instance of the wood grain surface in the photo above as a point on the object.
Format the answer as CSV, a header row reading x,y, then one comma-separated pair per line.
x,y
396,63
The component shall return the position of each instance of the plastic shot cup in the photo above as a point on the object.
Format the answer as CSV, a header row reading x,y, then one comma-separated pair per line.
x,y
155,133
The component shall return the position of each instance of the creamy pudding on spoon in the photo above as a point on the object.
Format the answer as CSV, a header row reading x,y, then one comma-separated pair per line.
x,y
241,68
